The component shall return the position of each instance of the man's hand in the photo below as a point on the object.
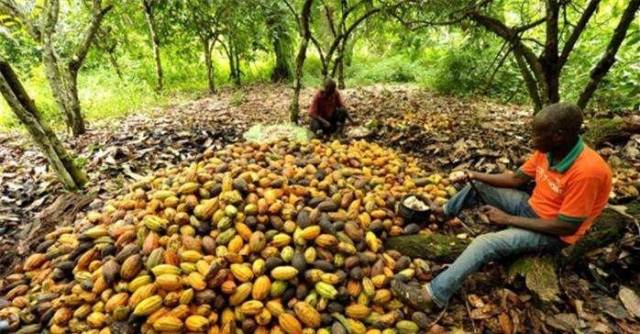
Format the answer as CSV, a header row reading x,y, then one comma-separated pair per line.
x,y
461,176
495,215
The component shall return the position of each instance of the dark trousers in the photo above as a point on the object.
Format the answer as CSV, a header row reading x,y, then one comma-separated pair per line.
x,y
336,122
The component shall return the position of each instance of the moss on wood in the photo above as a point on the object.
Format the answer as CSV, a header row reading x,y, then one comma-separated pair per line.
x,y
436,247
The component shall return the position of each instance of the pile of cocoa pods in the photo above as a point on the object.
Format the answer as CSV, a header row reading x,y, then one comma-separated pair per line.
x,y
279,238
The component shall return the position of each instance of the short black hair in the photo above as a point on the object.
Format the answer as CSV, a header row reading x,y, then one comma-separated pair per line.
x,y
329,85
565,117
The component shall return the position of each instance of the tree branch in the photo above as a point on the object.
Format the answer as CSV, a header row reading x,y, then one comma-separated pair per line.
x,y
510,35
550,54
577,31
530,82
609,56
329,16
316,43
89,35
293,12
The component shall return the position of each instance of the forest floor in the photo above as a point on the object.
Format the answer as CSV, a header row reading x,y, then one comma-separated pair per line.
x,y
445,132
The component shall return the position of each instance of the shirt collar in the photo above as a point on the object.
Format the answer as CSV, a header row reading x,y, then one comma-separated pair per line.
x,y
569,159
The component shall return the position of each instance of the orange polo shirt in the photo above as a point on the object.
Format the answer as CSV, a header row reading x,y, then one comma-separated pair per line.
x,y
575,190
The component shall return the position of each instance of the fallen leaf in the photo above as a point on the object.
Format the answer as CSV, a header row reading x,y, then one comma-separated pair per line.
x,y
567,322
505,323
630,300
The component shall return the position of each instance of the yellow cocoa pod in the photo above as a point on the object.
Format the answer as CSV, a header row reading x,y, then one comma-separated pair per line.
x,y
280,240
96,319
138,282
356,326
119,299
242,272
275,307
284,273
240,295
186,296
261,288
310,232
196,281
180,311
148,306
82,311
251,307
196,323
382,297
326,241
357,311
235,244
190,256
142,293
244,231
307,314
289,324
188,188
168,324
169,282
379,281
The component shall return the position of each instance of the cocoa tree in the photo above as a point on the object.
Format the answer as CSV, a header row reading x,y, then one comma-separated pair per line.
x,y
149,8
303,19
343,18
61,54
540,60
25,109
204,19
278,25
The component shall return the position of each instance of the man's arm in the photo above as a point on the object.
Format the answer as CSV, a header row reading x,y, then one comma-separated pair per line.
x,y
322,120
552,226
548,226
503,180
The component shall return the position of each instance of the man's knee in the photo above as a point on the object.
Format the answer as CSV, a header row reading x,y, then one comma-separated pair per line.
x,y
481,186
486,244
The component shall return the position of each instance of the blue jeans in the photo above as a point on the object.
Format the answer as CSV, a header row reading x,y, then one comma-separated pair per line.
x,y
491,246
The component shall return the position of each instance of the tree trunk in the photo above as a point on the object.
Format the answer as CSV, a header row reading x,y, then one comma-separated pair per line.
x,y
44,137
236,57
294,109
207,46
609,58
155,42
305,34
114,62
234,71
64,86
282,69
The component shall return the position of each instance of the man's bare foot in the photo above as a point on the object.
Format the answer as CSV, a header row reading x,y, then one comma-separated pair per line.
x,y
416,297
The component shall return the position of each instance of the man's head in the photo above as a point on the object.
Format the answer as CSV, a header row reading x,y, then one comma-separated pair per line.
x,y
329,86
556,126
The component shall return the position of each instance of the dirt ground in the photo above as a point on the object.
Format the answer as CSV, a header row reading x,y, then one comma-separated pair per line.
x,y
446,133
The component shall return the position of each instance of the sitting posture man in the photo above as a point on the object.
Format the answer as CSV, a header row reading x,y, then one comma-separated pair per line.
x,y
328,113
572,188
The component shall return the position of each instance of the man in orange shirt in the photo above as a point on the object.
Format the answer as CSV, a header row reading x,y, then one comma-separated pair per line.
x,y
572,188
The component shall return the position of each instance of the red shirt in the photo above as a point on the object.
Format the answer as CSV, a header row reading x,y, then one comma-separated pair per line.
x,y
325,106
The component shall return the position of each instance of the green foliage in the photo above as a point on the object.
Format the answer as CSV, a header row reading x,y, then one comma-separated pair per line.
x,y
253,36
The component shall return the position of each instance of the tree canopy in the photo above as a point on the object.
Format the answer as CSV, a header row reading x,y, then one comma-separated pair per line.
x,y
534,52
